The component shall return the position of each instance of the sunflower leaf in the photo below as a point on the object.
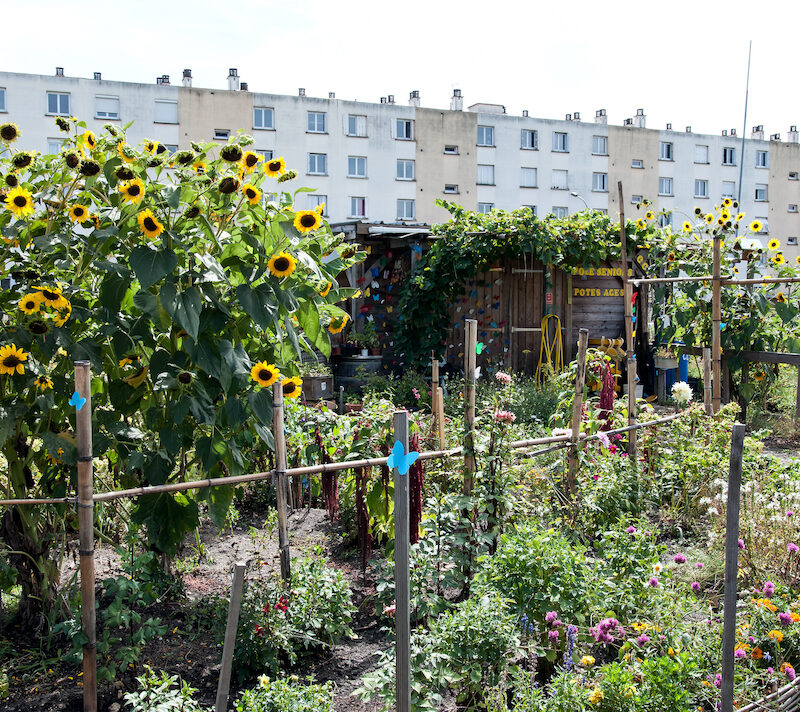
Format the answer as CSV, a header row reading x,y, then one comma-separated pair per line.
x,y
150,266
259,303
184,307
786,311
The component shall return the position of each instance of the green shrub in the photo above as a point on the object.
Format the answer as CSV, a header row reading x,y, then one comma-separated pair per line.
x,y
286,696
157,693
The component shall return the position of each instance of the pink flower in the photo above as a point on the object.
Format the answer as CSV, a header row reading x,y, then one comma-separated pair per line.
x,y
631,530
699,565
390,610
613,448
551,616
785,618
696,586
792,547
604,441
642,639
653,582
679,559
789,513
741,543
416,393
553,635
739,653
505,416
789,671
769,589
503,378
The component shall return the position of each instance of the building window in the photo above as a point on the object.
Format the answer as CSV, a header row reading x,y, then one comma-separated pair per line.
x,y
637,163
57,103
791,241
166,112
106,107
701,154
792,207
728,189
529,139
485,207
451,188
486,135
560,141
263,117
528,178
637,199
764,226
266,153
358,207
793,175
728,156
317,164
314,200
701,189
53,146
560,180
666,151
317,122
560,212
356,125
762,159
356,167
406,209
172,149
3,99
451,150
222,134
665,186
485,175
600,182
761,191
600,145
665,220
404,129
405,169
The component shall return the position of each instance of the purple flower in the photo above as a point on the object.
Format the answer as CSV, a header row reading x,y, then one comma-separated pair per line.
x,y
631,530
699,565
785,618
553,635
550,616
769,670
790,513
791,547
718,680
790,672
769,589
653,582
751,640
642,639
602,632
696,586
741,543
739,653
679,559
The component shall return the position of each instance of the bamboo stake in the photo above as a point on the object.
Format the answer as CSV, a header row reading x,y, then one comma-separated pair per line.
x,y
470,344
731,567
83,431
797,398
440,415
707,381
401,573
235,605
280,479
627,292
577,410
716,327
435,395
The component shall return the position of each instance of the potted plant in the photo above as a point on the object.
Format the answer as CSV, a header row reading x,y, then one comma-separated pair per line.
x,y
317,380
665,358
364,340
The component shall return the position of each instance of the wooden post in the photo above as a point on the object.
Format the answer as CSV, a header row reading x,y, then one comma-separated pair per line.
x,y
577,409
707,381
435,391
627,295
280,479
83,433
235,605
440,416
716,325
570,344
470,344
731,567
797,397
341,400
401,574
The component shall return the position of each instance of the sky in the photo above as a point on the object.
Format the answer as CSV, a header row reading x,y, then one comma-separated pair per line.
x,y
682,62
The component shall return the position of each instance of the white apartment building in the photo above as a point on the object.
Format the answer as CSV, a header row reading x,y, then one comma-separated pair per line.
x,y
387,162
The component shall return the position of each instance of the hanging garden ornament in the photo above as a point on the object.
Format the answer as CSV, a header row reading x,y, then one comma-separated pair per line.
x,y
76,401
478,348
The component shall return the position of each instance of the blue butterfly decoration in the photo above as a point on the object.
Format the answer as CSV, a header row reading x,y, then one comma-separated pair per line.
x,y
417,248
400,459
375,271
77,401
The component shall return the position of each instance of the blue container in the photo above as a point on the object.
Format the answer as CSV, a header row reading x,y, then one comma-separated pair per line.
x,y
683,368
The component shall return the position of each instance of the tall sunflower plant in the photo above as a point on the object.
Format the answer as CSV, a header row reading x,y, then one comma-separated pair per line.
x,y
191,284
754,317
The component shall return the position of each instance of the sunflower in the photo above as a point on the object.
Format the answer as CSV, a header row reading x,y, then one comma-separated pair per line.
x,y
698,211
265,374
797,259
78,213
773,245
289,175
52,297
72,159
338,325
191,212
709,218
30,303
781,297
64,314
199,167
736,270
779,259
275,167
88,140
725,215
292,387
320,208
63,124
95,218
740,217
649,215
184,158
687,227
38,327
124,173
126,153
755,226
671,257
12,181
759,375
251,160
228,185
43,383
9,132
150,145
231,153
19,201
11,359
726,203
22,159
282,264
324,292
89,168
160,148
306,221
132,191
148,224
252,193
132,359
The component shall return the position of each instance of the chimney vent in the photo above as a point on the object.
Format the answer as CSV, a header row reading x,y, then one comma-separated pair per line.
x,y
576,116
640,120
640,112
733,132
688,129
758,132
390,99
568,117
525,113
774,137
724,132
383,100
456,101
244,86
98,76
600,116
628,122
301,92
59,71
233,79
669,127
187,77
413,98
163,79
331,94
793,136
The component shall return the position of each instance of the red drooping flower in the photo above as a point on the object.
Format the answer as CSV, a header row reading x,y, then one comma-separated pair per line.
x,y
362,516
607,397
330,480
415,486
282,604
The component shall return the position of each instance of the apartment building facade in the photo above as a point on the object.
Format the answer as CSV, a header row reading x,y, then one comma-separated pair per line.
x,y
387,162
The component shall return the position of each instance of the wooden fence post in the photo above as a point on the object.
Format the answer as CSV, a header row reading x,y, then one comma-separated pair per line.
x,y
235,605
707,381
401,574
797,398
731,567
83,434
435,393
627,295
470,345
716,324
280,478
440,415
577,410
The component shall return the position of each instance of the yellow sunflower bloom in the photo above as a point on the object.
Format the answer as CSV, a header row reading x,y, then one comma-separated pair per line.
x,y
88,140
740,217
265,374
19,201
324,293
132,191
338,325
687,227
773,244
64,314
292,387
641,224
30,303
250,161
709,218
781,297
725,215
12,360
43,383
759,375
779,259
78,213
150,145
282,264
306,221
52,297
755,226
649,215
252,194
9,132
320,209
199,167
148,224
797,259
275,167
726,203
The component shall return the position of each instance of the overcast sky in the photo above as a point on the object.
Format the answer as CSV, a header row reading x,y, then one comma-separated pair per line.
x,y
682,62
